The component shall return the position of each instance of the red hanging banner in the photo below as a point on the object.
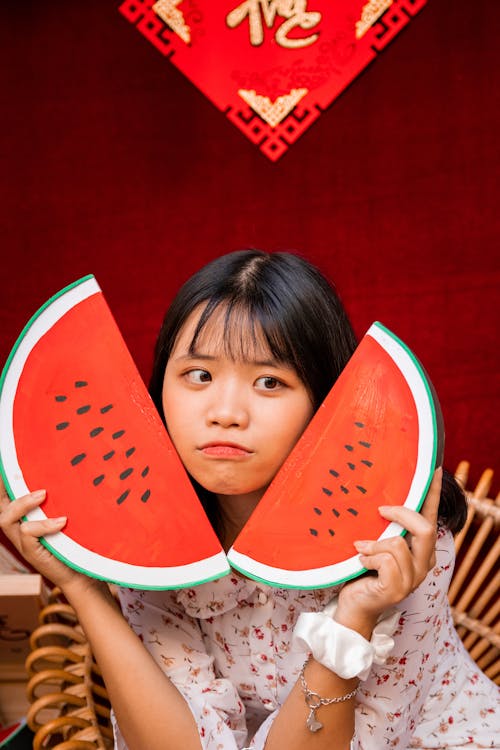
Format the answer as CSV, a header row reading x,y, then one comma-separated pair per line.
x,y
272,66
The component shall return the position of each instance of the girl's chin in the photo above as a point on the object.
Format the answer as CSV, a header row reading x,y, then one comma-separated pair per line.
x,y
227,490
226,493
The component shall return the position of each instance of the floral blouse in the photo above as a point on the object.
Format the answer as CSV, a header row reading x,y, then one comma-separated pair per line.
x,y
227,646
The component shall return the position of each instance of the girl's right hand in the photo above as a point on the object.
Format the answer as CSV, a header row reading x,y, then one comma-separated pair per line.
x,y
400,563
24,535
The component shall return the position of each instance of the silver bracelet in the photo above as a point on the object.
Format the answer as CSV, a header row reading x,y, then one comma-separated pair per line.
x,y
314,701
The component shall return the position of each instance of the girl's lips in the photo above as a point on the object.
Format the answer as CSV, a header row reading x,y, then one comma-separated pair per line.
x,y
224,450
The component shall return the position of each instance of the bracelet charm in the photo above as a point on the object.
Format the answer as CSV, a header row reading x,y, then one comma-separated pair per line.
x,y
314,701
312,722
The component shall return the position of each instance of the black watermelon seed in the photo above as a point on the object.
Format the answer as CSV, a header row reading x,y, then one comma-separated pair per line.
x,y
80,383
313,532
126,473
367,463
331,532
351,466
106,408
145,496
327,491
351,510
333,472
361,489
61,398
96,431
359,424
318,511
365,444
83,409
335,512
348,447
109,455
118,434
76,459
129,452
344,489
145,471
123,497
98,480
62,425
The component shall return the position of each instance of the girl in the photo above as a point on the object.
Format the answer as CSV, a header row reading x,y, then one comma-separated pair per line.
x,y
247,352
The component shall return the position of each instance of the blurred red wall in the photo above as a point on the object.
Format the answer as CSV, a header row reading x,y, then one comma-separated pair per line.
x,y
114,164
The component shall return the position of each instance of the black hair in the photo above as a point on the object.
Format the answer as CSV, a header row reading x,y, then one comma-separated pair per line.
x,y
288,300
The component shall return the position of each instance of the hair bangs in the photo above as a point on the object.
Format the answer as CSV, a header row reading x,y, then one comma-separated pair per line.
x,y
249,332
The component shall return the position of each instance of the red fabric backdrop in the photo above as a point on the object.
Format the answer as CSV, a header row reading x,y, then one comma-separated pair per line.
x,y
114,164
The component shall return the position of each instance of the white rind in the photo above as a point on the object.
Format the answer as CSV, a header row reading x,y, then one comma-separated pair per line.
x,y
38,327
135,576
60,544
332,575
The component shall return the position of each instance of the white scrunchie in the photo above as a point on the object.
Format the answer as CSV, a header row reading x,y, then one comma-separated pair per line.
x,y
340,649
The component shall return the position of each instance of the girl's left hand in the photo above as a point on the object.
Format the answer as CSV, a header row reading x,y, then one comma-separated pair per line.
x,y
401,563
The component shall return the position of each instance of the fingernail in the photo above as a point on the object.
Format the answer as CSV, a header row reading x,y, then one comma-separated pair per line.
x,y
38,494
360,545
60,521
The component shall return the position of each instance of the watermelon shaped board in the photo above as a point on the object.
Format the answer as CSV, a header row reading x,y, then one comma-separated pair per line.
x,y
17,736
375,440
78,421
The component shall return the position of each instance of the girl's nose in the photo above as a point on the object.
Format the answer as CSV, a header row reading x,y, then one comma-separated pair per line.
x,y
228,407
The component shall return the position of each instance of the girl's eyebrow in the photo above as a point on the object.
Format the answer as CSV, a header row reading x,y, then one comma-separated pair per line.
x,y
212,358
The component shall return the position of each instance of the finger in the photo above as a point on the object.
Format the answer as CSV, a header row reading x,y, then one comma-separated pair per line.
x,y
422,526
422,537
410,519
393,553
430,507
389,579
22,505
4,497
48,526
394,545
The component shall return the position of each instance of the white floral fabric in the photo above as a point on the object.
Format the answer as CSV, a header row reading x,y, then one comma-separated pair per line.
x,y
227,646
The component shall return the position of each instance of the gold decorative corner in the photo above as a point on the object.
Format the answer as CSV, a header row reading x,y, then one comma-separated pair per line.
x,y
370,13
167,10
272,112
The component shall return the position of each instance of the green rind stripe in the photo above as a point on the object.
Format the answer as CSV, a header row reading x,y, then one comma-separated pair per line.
x,y
6,742
301,586
16,346
127,584
432,406
8,487
403,532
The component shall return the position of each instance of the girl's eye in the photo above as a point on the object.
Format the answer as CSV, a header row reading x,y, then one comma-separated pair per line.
x,y
268,383
198,376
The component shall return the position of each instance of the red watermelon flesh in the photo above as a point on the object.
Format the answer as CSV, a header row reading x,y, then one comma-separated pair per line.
x,y
373,442
83,426
16,736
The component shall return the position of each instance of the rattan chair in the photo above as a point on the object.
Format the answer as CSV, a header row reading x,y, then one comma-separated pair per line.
x,y
69,706
70,709
474,590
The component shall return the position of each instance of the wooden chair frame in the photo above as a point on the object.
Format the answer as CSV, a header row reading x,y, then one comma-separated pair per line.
x,y
69,706
473,593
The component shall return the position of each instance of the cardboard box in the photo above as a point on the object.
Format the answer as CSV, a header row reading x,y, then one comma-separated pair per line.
x,y
21,597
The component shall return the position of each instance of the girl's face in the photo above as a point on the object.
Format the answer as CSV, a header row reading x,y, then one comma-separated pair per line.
x,y
233,420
